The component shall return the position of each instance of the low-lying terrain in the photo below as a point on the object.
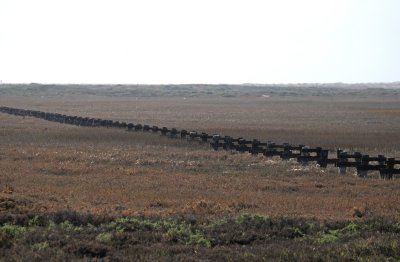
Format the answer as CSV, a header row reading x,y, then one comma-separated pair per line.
x,y
71,192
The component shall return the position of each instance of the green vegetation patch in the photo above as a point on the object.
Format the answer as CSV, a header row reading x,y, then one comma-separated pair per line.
x,y
247,237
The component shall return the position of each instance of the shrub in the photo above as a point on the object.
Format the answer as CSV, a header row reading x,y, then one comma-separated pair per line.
x,y
104,237
40,246
9,233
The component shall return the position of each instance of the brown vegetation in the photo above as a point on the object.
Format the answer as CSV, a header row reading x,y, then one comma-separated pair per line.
x,y
107,171
47,167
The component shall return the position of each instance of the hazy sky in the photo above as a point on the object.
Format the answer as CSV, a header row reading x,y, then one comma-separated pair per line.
x,y
203,41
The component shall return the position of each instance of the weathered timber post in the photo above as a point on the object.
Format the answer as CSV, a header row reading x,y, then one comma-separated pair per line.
x,y
146,128
323,158
270,149
97,122
164,131
285,155
362,169
123,125
358,157
387,173
215,142
255,147
173,133
304,155
203,137
80,121
184,133
192,135
240,145
228,143
382,162
342,160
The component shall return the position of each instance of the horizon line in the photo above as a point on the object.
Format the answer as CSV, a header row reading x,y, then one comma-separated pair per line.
x,y
213,84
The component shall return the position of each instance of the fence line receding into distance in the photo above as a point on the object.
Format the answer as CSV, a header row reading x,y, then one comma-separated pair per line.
x,y
387,167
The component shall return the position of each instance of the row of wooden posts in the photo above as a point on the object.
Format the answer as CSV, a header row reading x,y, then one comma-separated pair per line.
x,y
387,167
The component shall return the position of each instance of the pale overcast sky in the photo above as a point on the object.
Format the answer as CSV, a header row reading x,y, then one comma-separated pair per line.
x,y
203,41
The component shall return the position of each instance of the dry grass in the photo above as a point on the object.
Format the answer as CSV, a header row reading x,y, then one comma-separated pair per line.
x,y
55,179
49,167
369,125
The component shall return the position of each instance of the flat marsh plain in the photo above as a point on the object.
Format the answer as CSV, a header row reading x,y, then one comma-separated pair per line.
x,y
71,192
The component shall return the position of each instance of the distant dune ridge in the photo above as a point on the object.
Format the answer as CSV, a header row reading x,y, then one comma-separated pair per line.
x,y
192,90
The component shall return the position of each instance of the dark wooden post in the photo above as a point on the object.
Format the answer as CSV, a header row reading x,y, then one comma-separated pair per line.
x,y
304,154
228,143
255,147
342,160
362,168
184,133
164,131
215,144
203,137
286,151
146,128
192,135
361,161
382,162
323,158
173,133
269,150
387,174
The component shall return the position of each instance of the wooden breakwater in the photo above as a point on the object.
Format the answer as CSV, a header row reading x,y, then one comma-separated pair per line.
x,y
386,166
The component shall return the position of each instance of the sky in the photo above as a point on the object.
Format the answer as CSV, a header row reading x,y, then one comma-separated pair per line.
x,y
199,41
